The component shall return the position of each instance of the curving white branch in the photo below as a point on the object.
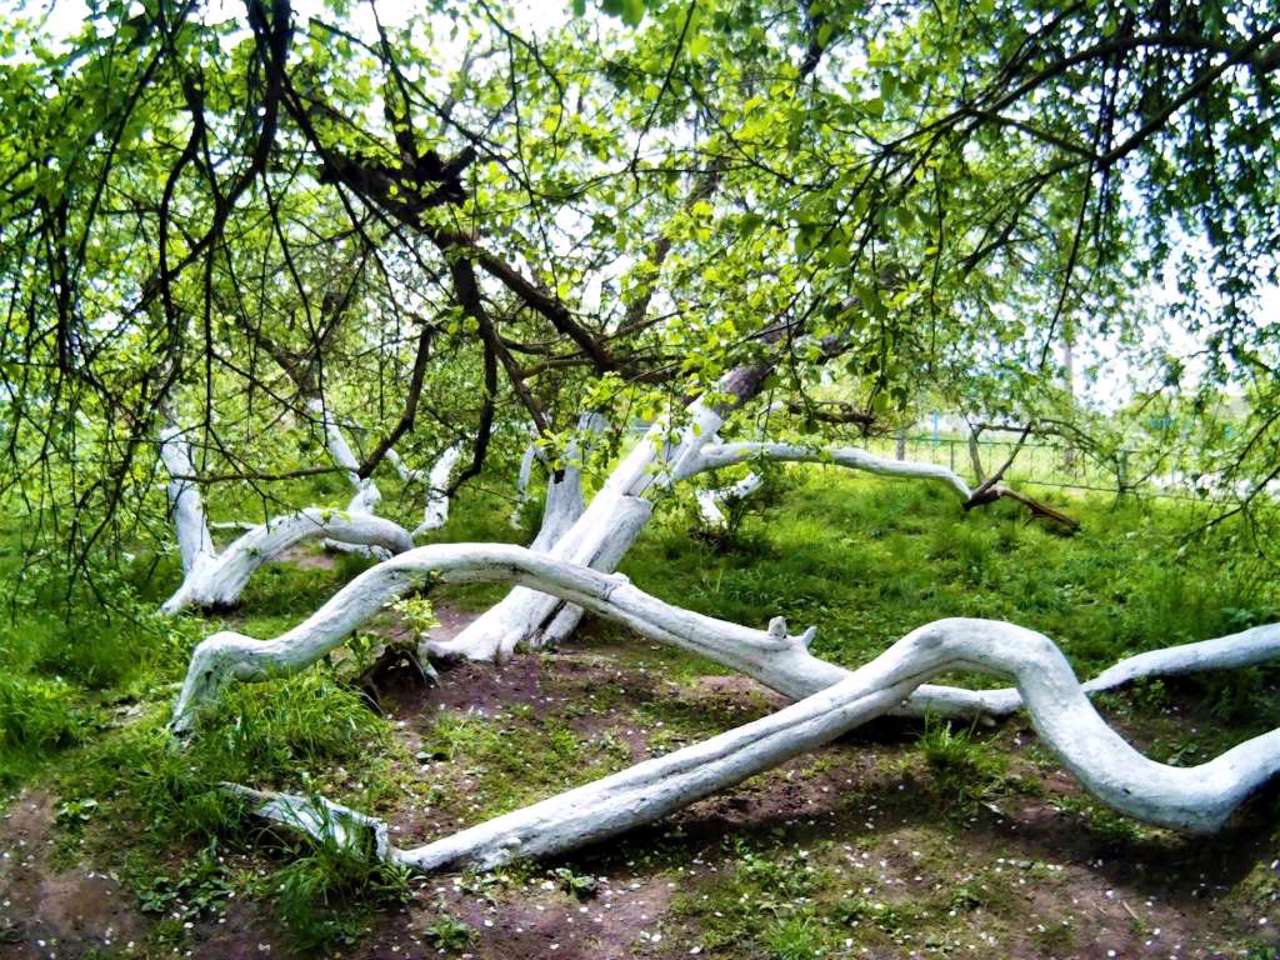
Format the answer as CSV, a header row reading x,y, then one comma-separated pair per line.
x,y
195,544
366,494
1244,649
1198,799
720,455
835,700
216,579
219,580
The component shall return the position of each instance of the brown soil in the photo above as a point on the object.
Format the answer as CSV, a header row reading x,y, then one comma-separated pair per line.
x,y
47,912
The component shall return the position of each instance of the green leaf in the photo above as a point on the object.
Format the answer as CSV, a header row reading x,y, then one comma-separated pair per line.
x,y
632,12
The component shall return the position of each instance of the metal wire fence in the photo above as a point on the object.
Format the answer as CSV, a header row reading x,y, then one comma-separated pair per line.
x,y
1042,463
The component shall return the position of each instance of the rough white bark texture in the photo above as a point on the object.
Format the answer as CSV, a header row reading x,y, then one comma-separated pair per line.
x,y
709,500
598,538
195,545
835,700
219,581
212,579
436,513
612,522
366,493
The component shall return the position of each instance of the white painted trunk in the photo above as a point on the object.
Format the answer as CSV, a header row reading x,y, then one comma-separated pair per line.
x,y
598,538
709,500
1198,799
601,537
212,579
219,580
523,477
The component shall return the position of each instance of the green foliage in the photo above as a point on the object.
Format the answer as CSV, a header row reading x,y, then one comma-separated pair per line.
x,y
793,939
37,713
449,934
325,897
964,770
418,613
200,890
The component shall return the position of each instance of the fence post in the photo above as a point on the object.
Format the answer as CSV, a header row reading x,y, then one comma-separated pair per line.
x,y
1122,471
901,448
951,446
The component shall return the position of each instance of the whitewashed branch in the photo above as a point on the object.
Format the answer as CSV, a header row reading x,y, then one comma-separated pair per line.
x,y
436,512
1198,799
718,456
216,579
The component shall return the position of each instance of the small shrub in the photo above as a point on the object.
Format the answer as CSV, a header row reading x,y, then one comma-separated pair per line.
x,y
449,934
37,713
962,767
796,938
325,897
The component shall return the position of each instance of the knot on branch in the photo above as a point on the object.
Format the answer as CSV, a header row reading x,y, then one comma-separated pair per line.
x,y
778,631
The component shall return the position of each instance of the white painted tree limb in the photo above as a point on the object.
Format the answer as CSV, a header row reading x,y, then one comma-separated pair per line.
x,y
366,493
1198,799
598,538
195,544
220,581
718,456
783,663
406,474
709,500
779,662
436,512
836,700
216,579
612,522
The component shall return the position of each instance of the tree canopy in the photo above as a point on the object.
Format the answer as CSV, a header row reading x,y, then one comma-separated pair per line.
x,y
461,224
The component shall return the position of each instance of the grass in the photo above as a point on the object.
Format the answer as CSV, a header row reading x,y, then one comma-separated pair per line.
x,y
868,561
83,703
514,759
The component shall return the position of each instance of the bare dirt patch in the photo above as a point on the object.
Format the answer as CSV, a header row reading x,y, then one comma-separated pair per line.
x,y
46,912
